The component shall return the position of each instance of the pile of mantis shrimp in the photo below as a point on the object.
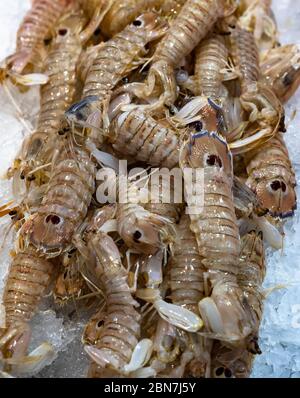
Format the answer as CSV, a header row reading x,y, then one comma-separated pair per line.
x,y
187,84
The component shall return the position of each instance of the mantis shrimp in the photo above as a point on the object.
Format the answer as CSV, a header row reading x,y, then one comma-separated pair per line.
x,y
65,203
115,59
60,91
36,26
258,19
281,70
141,230
215,226
186,269
194,20
70,283
271,177
28,278
237,362
118,344
211,60
186,284
150,289
124,12
258,100
135,133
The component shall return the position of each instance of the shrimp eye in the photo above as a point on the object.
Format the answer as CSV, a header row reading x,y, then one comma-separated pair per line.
x,y
283,187
137,22
219,371
100,323
214,160
275,185
228,373
136,236
63,32
65,130
54,219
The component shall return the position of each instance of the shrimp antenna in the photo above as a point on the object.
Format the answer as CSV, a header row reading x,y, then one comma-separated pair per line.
x,y
28,127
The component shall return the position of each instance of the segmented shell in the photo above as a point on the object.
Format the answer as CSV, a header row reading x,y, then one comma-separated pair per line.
x,y
186,269
191,25
65,203
36,25
60,91
245,56
121,327
118,56
138,135
123,12
211,58
252,272
28,278
272,178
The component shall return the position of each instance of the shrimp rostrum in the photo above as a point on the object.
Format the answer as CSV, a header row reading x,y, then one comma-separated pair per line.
x,y
215,226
